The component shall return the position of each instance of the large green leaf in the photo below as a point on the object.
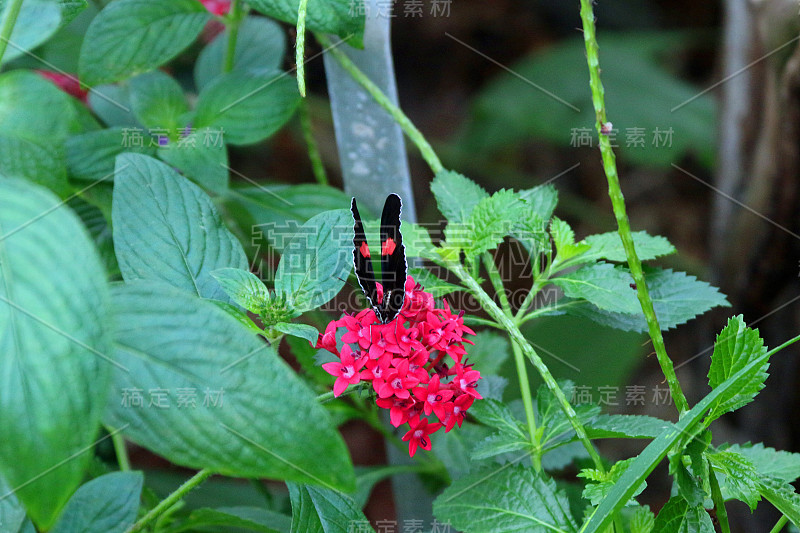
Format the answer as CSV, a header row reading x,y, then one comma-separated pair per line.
x,y
54,340
157,101
316,510
166,228
456,195
677,516
249,518
247,107
39,163
112,103
329,16
603,285
243,288
202,157
769,461
37,21
12,513
260,47
317,261
487,223
510,498
511,109
91,156
108,503
227,401
735,347
609,246
132,36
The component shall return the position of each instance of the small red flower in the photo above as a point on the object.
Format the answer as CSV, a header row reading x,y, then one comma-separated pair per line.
x,y
434,396
456,410
217,7
346,370
417,436
67,83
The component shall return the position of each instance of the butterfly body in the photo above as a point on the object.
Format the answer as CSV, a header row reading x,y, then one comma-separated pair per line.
x,y
392,260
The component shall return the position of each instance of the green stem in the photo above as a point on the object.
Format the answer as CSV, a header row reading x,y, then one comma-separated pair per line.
x,y
719,502
300,47
119,449
328,396
7,26
618,203
311,144
497,282
233,20
779,525
527,401
171,500
397,114
516,335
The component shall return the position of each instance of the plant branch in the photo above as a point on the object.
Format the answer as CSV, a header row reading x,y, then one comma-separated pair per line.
x,y
779,525
719,502
171,500
10,15
300,47
119,449
311,144
397,114
233,21
618,203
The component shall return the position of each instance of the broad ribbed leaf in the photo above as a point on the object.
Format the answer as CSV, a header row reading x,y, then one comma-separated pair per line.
x,y
316,510
247,107
501,443
735,347
769,461
497,415
166,228
340,17
39,163
243,287
245,518
783,496
157,101
677,516
215,396
541,200
132,36
91,156
112,103
609,246
54,373
108,503
487,224
602,284
510,498
37,21
740,479
456,195
202,157
260,47
564,240
626,426
317,261
304,331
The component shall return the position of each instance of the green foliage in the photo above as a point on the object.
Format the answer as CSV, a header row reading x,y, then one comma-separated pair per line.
x,y
433,284
157,101
243,288
91,156
247,518
328,16
486,225
202,157
316,510
678,516
37,21
108,503
456,195
602,285
112,49
511,498
184,240
600,482
56,346
609,246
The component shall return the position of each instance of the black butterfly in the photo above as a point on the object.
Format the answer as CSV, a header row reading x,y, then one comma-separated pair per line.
x,y
393,261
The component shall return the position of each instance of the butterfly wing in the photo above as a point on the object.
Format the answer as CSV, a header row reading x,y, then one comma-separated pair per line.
x,y
393,258
361,258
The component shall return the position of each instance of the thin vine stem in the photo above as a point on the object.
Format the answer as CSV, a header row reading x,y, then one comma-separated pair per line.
x,y
516,336
10,15
311,144
300,47
119,449
618,203
779,525
719,501
397,114
171,500
233,21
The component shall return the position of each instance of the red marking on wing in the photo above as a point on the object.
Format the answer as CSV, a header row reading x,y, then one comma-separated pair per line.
x,y
364,249
388,247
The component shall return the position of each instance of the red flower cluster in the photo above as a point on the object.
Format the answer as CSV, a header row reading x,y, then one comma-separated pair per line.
x,y
67,83
217,7
416,364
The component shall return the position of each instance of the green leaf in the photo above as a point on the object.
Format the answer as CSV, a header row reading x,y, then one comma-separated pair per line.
x,y
564,240
245,398
250,518
202,157
166,228
642,520
677,516
244,288
782,496
432,284
37,21
531,228
645,462
487,225
735,347
40,163
456,195
12,513
497,415
677,298
157,101
609,246
23,97
91,156
247,107
454,449
626,426
602,284
54,343
260,47
541,200
71,9
112,103
605,481
323,510
769,461
108,503
741,478
490,351
304,331
327,16
99,227
501,443
512,498
316,261
132,36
